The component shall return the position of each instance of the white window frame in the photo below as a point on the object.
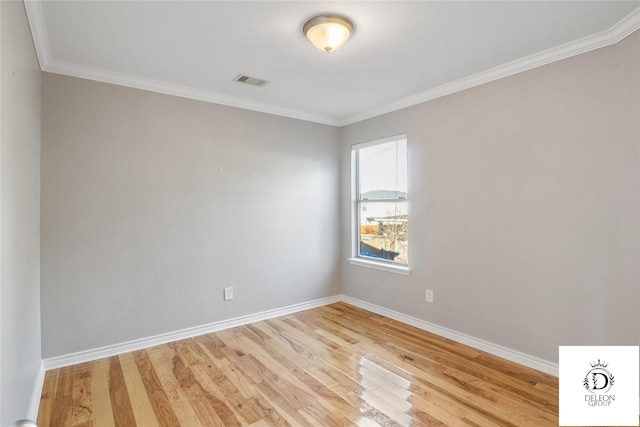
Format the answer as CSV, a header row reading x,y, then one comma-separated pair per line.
x,y
356,259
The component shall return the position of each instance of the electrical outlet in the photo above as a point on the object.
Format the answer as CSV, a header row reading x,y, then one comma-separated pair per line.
x,y
228,294
429,295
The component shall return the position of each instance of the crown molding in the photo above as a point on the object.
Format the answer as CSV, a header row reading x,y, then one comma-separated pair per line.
x,y
122,79
35,16
613,35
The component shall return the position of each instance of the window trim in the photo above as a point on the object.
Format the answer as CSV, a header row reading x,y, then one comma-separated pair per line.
x,y
390,267
355,258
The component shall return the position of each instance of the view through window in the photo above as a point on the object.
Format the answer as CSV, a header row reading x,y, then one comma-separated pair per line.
x,y
381,200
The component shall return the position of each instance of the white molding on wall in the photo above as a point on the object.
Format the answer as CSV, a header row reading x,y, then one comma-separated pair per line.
x,y
491,348
625,27
135,82
112,350
36,394
613,35
142,343
35,16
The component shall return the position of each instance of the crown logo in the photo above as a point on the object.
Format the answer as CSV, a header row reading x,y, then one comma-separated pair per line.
x,y
599,364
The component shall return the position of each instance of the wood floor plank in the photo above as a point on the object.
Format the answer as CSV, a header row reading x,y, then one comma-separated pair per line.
x,y
141,406
211,410
374,394
298,395
330,366
119,395
62,401
301,369
48,393
216,383
162,360
420,384
102,409
82,405
244,385
431,372
362,382
163,410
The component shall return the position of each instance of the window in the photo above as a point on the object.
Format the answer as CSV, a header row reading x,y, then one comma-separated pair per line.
x,y
381,203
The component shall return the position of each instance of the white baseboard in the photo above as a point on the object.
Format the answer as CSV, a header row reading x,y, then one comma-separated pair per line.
x,y
142,343
112,350
36,394
139,344
496,350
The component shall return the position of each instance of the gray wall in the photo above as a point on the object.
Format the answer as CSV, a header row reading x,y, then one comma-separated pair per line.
x,y
152,204
524,206
20,214
524,216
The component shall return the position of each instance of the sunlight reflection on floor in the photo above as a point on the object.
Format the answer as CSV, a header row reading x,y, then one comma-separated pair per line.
x,y
386,393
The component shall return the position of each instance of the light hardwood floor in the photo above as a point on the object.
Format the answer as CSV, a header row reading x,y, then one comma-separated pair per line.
x,y
331,366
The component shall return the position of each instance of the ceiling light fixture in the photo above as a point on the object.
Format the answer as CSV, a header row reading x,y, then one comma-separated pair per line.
x,y
328,32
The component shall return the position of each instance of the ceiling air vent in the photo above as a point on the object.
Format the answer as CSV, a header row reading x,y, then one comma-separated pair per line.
x,y
252,81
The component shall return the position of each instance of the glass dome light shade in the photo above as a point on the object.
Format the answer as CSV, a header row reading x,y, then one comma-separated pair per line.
x,y
328,32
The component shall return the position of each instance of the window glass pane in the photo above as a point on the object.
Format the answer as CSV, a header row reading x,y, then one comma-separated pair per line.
x,y
384,230
382,171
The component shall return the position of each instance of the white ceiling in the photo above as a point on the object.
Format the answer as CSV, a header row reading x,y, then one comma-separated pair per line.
x,y
401,52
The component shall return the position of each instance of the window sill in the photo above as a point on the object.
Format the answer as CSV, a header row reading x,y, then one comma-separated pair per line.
x,y
391,268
